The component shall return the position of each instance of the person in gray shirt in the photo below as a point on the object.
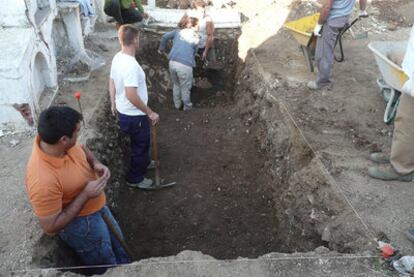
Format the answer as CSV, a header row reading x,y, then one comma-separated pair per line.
x,y
334,15
182,59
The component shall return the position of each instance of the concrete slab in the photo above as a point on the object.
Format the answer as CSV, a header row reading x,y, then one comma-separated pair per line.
x,y
170,17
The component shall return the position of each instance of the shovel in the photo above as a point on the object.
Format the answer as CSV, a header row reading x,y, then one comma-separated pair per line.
x,y
158,183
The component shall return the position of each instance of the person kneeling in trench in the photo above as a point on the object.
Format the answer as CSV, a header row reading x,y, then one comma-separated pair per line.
x,y
65,184
125,11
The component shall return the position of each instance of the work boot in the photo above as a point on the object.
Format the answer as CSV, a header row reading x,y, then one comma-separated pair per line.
x,y
313,85
144,184
379,158
388,173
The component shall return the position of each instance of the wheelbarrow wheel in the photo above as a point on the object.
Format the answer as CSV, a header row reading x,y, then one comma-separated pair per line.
x,y
392,105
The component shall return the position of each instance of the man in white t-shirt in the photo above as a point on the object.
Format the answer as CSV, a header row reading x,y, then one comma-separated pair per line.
x,y
129,98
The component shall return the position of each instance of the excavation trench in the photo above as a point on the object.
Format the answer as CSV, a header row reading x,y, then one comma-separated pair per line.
x,y
247,182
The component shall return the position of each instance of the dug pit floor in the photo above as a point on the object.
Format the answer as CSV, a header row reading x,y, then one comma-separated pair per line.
x,y
223,204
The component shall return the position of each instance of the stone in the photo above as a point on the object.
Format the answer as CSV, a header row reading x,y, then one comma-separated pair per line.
x,y
321,250
326,235
14,142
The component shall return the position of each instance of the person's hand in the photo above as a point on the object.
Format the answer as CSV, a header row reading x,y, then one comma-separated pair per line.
x,y
95,188
102,170
144,15
317,30
363,14
159,52
113,109
154,117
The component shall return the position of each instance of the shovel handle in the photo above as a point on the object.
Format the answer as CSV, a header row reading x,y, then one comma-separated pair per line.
x,y
155,155
154,143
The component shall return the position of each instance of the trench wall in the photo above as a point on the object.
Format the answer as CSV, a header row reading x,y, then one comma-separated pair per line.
x,y
310,206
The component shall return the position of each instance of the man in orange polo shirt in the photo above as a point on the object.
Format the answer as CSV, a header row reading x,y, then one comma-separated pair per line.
x,y
65,184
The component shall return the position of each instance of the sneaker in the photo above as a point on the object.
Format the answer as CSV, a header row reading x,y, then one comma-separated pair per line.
x,y
312,85
178,107
144,184
388,173
187,108
379,158
152,165
410,234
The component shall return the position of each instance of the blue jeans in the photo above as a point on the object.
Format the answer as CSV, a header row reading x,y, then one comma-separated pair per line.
x,y
93,241
138,129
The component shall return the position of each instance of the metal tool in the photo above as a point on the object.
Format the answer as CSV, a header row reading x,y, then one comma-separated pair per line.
x,y
158,181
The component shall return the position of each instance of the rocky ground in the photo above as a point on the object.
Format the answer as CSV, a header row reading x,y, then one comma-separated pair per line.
x,y
233,150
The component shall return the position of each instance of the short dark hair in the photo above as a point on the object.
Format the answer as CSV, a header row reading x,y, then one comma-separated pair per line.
x,y
56,122
127,33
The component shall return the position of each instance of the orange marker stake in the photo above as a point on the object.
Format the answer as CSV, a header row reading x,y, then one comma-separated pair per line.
x,y
77,95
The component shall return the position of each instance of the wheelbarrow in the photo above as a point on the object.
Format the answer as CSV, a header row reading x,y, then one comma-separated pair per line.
x,y
302,31
393,77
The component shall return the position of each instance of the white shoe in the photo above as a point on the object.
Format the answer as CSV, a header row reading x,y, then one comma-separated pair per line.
x,y
312,85
144,184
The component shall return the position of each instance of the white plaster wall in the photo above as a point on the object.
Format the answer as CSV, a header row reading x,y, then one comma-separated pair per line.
x,y
14,91
47,47
13,13
71,27
99,11
21,80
